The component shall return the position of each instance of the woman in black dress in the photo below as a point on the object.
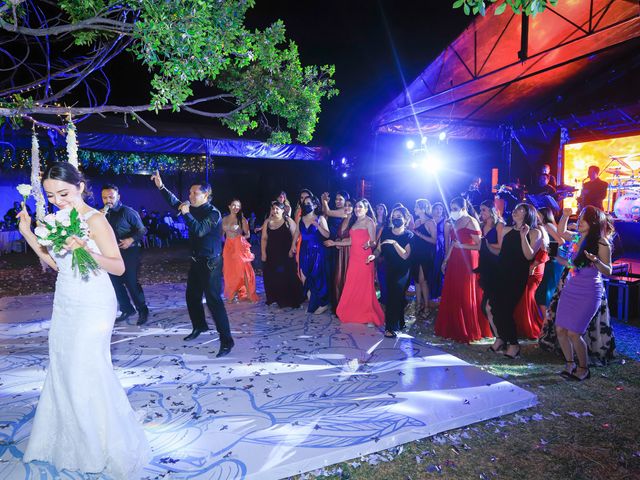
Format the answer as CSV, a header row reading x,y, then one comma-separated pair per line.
x,y
520,244
281,282
424,249
395,249
492,227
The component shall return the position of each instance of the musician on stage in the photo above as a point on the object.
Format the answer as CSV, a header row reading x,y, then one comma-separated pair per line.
x,y
546,170
595,190
544,186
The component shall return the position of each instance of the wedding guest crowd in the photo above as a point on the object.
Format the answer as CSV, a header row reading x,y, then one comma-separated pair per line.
x,y
525,276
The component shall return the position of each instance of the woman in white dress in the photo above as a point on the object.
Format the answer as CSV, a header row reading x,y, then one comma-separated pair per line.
x,y
84,421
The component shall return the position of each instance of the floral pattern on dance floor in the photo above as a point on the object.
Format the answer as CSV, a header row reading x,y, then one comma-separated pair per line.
x,y
298,391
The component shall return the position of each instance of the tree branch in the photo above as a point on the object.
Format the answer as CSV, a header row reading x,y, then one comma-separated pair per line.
x,y
75,111
95,23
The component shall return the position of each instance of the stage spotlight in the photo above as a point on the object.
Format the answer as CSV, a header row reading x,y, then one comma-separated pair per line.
x,y
432,162
410,144
423,141
344,160
442,136
344,175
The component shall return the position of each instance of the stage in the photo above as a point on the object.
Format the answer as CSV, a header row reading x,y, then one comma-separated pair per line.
x,y
298,392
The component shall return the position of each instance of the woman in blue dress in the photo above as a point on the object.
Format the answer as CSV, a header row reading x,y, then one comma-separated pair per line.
x,y
313,231
438,213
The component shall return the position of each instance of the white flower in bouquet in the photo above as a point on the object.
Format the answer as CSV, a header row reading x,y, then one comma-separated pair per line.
x,y
41,232
54,232
25,190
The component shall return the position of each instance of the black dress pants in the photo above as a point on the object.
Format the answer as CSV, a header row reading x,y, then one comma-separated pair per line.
x,y
205,277
127,284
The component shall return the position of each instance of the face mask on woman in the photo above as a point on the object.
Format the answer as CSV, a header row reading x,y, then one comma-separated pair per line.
x,y
457,215
307,209
397,222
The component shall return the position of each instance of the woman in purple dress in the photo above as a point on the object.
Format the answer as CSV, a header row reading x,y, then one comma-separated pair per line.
x,y
582,292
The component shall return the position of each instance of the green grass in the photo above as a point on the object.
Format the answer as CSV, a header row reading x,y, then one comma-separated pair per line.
x,y
578,430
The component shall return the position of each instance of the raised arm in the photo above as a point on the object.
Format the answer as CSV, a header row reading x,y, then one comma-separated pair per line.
x,y
562,225
24,225
327,210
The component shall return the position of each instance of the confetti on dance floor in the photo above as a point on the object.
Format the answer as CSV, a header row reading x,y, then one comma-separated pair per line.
x,y
297,393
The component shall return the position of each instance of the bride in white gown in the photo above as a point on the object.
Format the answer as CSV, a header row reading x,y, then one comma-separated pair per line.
x,y
84,421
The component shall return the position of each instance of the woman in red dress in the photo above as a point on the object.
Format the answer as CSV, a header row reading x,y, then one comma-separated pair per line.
x,y
239,277
460,317
527,314
358,302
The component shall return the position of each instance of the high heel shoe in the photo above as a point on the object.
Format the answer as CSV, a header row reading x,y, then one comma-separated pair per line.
x,y
513,357
567,372
575,377
500,348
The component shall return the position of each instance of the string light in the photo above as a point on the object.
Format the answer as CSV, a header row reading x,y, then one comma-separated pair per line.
x,y
115,162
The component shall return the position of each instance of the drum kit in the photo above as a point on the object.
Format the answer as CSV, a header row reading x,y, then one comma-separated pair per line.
x,y
624,188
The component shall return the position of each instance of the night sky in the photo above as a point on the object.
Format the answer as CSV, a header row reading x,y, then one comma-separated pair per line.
x,y
351,34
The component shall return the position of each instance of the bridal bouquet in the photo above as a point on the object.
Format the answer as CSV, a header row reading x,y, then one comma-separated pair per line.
x,y
57,228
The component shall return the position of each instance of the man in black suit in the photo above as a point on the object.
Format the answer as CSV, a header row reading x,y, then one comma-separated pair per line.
x,y
129,230
204,223
595,190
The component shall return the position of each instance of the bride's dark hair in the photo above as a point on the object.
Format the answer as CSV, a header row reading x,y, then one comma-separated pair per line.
x,y
65,172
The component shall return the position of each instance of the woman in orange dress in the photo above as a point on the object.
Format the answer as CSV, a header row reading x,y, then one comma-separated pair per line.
x,y
239,277
460,315
358,302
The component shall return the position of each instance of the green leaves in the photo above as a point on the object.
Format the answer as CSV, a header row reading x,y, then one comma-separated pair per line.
x,y
184,43
526,7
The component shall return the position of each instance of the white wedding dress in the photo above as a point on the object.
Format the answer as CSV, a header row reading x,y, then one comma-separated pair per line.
x,y
84,421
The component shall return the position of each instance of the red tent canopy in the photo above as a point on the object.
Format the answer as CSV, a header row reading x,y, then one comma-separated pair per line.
x,y
493,75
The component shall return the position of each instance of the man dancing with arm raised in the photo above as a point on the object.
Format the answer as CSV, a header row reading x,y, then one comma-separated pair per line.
x,y
204,223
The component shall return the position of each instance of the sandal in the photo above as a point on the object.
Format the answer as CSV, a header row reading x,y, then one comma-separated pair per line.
x,y
390,334
514,356
567,372
501,347
573,376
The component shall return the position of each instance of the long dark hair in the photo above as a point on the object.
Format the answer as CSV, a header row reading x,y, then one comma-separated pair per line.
x,y
385,214
495,215
65,172
530,214
369,213
316,205
547,216
281,206
599,228
239,215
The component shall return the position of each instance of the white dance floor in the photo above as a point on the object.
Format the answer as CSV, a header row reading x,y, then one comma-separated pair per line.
x,y
298,391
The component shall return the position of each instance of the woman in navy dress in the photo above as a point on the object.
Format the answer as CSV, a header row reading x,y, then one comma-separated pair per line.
x,y
434,274
313,231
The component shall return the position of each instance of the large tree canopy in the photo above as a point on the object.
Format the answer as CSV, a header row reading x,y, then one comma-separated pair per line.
x,y
53,56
